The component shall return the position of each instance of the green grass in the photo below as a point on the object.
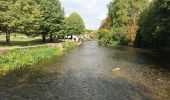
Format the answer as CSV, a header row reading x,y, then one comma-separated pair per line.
x,y
17,59
22,58
23,42
68,46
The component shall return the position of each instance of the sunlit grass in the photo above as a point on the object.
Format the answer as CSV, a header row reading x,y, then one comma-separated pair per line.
x,y
17,59
69,45
21,58
23,42
18,42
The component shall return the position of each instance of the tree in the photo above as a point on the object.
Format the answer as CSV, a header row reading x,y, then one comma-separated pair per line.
x,y
124,15
105,36
19,16
53,16
154,26
7,18
135,9
106,24
118,11
119,15
28,16
74,24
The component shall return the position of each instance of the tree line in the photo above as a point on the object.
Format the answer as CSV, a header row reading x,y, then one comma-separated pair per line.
x,y
154,25
138,23
38,17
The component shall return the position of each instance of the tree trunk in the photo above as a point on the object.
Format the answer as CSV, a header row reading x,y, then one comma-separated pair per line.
x,y
51,38
71,36
44,38
7,37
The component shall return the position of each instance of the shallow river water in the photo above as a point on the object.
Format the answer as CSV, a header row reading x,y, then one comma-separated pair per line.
x,y
85,73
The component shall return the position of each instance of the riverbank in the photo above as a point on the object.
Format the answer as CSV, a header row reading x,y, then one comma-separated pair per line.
x,y
26,56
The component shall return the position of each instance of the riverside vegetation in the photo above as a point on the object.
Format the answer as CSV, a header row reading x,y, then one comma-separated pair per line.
x,y
138,23
45,18
34,18
19,58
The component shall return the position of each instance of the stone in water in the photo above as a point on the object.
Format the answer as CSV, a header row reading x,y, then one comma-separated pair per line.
x,y
116,70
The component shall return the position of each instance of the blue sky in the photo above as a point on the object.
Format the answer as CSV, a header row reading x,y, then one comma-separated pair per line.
x,y
92,11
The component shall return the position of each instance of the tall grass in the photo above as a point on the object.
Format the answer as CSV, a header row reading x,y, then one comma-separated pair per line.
x,y
68,46
17,59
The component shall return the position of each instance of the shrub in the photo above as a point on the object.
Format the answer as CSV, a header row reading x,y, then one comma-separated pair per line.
x,y
105,36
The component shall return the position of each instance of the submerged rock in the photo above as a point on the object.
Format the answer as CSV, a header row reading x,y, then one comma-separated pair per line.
x,y
116,70
2,73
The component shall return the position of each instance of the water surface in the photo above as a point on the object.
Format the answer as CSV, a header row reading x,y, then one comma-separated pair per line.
x,y
85,73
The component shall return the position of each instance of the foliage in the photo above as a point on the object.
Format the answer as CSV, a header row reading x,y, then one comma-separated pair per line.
x,y
68,46
19,16
106,37
74,24
53,16
106,23
7,17
120,35
118,11
122,19
154,26
28,16
135,9
31,17
17,59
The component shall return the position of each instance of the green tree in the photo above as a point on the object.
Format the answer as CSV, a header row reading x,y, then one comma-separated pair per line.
x,y
28,16
74,24
135,9
19,16
124,15
106,23
105,36
7,18
118,11
53,16
120,18
154,26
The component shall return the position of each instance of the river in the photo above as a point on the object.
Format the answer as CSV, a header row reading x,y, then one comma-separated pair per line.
x,y
86,73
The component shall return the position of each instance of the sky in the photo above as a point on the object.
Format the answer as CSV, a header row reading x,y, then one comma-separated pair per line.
x,y
92,11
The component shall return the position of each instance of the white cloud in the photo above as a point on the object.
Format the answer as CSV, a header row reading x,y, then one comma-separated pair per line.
x,y
92,11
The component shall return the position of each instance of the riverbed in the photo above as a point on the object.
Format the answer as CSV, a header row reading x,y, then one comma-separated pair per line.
x,y
87,73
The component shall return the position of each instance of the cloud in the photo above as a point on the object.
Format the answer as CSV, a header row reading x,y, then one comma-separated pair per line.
x,y
92,11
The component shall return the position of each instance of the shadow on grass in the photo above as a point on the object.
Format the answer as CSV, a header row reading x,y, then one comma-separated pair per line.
x,y
27,42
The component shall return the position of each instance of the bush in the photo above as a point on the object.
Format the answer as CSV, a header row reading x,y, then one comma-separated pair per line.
x,y
120,36
113,37
105,36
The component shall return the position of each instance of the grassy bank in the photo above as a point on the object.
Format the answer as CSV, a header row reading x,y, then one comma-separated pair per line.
x,y
17,59
24,42
68,46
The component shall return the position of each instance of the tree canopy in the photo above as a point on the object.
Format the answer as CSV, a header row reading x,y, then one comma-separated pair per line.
x,y
37,17
19,16
122,19
53,16
7,17
154,25
74,24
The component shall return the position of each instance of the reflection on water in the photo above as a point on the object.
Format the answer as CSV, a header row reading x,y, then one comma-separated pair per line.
x,y
85,73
